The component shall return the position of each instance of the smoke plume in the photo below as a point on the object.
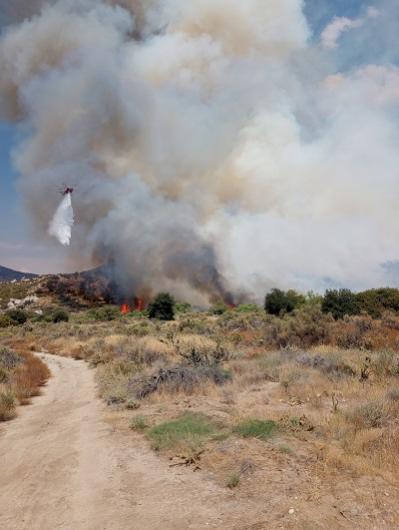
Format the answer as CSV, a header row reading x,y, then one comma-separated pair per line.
x,y
215,144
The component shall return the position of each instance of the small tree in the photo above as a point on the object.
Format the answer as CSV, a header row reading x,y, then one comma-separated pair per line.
x,y
340,303
162,307
279,302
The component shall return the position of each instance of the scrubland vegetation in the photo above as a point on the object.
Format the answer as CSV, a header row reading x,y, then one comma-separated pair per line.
x,y
227,389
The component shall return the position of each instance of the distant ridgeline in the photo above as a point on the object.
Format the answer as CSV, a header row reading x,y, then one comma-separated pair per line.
x,y
8,275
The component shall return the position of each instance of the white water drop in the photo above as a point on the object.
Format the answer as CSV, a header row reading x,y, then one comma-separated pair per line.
x,y
62,222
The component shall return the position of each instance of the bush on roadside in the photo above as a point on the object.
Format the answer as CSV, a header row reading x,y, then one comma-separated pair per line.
x,y
186,379
7,405
9,359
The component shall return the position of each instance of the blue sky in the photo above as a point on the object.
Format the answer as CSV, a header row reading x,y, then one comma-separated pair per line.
x,y
17,245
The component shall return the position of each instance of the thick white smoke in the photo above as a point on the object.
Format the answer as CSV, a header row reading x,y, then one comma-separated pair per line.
x,y
216,146
61,224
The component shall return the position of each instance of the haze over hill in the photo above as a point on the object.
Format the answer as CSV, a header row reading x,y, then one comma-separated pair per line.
x,y
7,275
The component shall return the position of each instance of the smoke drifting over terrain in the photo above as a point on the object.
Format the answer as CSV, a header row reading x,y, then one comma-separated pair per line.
x,y
215,146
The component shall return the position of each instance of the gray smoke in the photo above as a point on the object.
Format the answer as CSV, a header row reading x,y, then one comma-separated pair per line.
x,y
213,144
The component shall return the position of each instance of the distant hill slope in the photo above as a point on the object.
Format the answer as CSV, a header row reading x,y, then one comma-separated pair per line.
x,y
7,275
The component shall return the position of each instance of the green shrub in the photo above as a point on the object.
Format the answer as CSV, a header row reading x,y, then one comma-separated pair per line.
x,y
340,303
59,316
183,307
138,423
247,308
369,415
162,307
219,308
279,302
177,379
233,481
376,301
140,330
17,316
188,429
104,314
262,430
303,328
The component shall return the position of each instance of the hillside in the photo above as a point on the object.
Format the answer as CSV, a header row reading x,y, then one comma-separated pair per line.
x,y
7,275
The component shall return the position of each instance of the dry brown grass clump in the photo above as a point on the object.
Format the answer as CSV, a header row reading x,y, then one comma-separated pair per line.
x,y
8,404
21,376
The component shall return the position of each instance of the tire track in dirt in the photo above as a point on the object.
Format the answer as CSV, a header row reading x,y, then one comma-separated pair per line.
x,y
63,467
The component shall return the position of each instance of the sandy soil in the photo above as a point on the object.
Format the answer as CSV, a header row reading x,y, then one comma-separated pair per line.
x,y
65,464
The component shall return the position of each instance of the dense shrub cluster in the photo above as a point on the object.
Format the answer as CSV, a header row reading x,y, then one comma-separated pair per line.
x,y
376,301
340,303
279,302
162,307
59,316
17,316
104,314
373,302
336,302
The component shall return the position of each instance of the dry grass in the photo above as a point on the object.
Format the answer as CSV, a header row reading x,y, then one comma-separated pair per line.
x,y
22,375
329,389
342,377
8,404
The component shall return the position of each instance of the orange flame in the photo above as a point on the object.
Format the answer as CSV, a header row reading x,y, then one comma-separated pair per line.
x,y
138,304
125,309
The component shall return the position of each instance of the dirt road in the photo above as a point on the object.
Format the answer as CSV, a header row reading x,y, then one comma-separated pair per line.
x,y
63,467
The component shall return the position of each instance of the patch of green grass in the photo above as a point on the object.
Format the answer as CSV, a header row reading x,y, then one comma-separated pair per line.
x,y
138,423
191,430
263,430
